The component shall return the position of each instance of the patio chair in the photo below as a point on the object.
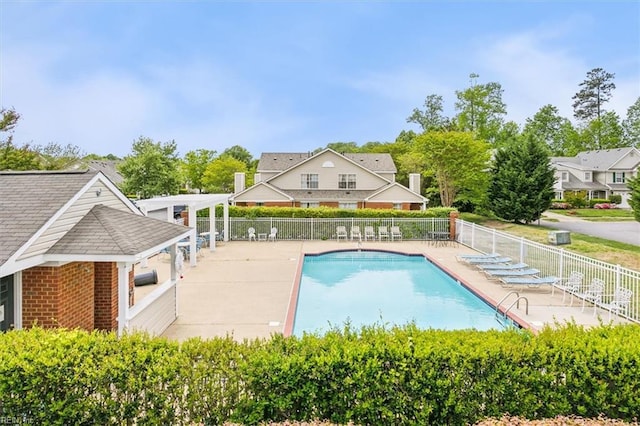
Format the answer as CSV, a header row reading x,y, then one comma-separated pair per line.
x,y
395,233
620,302
465,257
272,234
252,234
572,284
503,266
383,233
528,282
369,233
355,233
341,232
497,273
592,294
487,260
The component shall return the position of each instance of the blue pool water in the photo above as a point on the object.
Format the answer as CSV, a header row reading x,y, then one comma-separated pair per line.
x,y
368,287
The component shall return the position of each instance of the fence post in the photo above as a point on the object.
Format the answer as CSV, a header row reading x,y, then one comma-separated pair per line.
x,y
522,240
453,215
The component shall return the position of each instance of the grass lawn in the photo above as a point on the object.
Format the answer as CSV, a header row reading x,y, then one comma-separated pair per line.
x,y
627,255
600,215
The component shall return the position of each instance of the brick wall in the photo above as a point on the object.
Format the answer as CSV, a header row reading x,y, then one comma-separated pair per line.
x,y
105,291
60,296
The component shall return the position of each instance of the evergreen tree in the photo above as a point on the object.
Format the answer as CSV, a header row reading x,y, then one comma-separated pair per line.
x,y
522,181
634,201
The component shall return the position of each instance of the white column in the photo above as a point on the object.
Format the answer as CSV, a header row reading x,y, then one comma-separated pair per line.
x,y
123,296
212,227
193,224
226,220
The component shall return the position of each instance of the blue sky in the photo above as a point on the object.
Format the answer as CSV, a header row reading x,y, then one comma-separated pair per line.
x,y
293,75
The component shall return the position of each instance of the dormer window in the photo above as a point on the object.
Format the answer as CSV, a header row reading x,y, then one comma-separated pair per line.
x,y
588,176
564,176
327,164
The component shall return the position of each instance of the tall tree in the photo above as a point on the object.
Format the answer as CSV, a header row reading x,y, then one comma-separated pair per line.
x,y
220,173
631,125
481,109
239,153
594,93
60,157
456,160
432,117
634,201
344,147
151,169
602,133
522,181
551,128
8,120
11,156
195,163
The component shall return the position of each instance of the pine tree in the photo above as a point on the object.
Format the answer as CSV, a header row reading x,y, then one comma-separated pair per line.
x,y
522,181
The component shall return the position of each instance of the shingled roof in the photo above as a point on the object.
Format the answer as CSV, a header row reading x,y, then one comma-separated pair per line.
x,y
281,161
29,199
111,232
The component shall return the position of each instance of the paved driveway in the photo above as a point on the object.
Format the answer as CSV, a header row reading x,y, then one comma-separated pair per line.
x,y
624,232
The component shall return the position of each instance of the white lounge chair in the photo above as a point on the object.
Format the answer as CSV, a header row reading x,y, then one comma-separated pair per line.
x,y
369,233
395,233
272,234
592,294
341,232
355,233
383,233
482,260
497,273
503,266
252,234
529,282
620,302
465,257
571,285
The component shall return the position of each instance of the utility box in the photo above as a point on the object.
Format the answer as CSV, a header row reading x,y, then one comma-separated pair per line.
x,y
559,237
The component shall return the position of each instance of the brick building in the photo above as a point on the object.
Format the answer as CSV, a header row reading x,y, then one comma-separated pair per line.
x,y
68,245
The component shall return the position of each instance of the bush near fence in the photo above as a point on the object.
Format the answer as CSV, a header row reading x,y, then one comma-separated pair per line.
x,y
375,375
325,212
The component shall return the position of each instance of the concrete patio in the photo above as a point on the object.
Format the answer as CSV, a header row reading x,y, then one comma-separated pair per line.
x,y
243,289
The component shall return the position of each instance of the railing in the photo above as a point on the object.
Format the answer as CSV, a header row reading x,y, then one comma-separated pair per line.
x,y
325,228
552,261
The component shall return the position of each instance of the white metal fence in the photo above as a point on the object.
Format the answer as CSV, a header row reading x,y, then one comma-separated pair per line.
x,y
324,228
553,261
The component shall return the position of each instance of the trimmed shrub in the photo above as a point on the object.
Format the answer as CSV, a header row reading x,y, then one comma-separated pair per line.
x,y
594,201
615,198
375,375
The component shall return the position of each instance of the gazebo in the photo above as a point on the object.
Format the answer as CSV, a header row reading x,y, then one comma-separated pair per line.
x,y
193,202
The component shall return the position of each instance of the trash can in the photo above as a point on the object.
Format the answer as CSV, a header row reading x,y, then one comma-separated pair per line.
x,y
147,278
559,237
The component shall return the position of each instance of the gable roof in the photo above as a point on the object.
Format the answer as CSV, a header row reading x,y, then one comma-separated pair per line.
x,y
29,199
598,160
111,232
108,168
282,161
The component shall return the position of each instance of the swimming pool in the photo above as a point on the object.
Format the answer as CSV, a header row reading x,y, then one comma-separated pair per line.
x,y
369,287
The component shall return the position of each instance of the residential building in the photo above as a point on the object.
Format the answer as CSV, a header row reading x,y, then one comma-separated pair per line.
x,y
328,178
597,174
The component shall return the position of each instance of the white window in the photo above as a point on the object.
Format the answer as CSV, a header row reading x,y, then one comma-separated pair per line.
x,y
347,181
310,204
397,206
618,177
348,206
588,177
309,181
564,176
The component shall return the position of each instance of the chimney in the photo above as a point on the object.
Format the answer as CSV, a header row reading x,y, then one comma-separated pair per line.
x,y
238,182
257,178
414,182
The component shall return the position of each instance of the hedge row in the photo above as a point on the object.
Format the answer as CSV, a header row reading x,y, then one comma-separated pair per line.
x,y
396,376
326,212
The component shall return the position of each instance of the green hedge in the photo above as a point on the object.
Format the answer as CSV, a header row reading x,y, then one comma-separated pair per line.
x,y
397,376
325,212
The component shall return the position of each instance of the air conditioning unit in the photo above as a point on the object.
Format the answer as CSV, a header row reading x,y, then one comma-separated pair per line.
x,y
559,237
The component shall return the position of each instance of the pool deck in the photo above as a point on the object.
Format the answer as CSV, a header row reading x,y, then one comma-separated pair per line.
x,y
243,289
